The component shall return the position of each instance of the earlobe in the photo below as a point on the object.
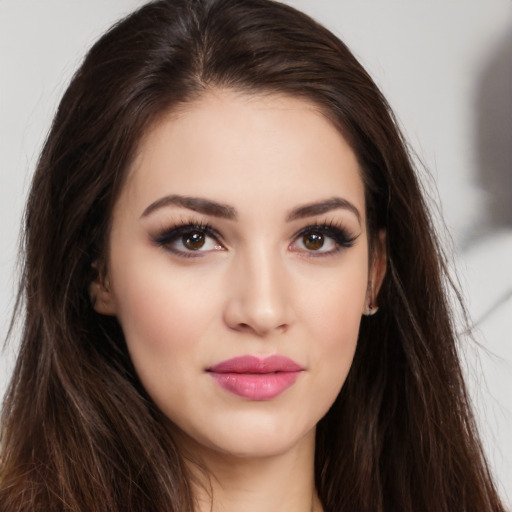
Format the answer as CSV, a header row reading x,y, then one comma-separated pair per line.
x,y
100,293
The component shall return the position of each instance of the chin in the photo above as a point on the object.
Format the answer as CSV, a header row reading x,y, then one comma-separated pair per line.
x,y
253,437
261,446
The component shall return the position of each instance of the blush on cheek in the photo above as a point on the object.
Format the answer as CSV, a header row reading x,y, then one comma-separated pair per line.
x,y
154,306
339,322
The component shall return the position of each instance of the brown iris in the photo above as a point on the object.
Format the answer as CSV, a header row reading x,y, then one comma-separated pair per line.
x,y
313,241
194,241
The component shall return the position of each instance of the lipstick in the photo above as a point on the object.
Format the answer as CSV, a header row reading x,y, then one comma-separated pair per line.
x,y
256,378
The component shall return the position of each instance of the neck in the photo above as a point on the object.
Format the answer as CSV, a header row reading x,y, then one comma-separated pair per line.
x,y
278,483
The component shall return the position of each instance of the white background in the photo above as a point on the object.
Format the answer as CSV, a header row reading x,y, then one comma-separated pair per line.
x,y
444,65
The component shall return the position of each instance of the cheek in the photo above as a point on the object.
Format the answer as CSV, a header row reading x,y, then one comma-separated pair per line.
x,y
163,315
334,320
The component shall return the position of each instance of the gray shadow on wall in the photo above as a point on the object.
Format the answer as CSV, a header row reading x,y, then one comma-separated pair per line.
x,y
493,161
493,137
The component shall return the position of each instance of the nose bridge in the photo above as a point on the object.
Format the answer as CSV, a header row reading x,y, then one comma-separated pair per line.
x,y
259,297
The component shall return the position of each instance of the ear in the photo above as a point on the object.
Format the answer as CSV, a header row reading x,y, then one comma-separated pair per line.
x,y
377,271
100,293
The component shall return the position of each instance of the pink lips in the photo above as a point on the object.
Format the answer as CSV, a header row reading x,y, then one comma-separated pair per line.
x,y
256,378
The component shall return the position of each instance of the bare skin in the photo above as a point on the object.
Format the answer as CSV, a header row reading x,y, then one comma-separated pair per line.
x,y
241,232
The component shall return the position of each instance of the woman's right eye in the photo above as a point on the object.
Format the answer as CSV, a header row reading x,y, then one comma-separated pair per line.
x,y
189,240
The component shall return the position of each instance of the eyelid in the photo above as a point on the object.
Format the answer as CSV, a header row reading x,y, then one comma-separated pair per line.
x,y
172,233
334,230
341,235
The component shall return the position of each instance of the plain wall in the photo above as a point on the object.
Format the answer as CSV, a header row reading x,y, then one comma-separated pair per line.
x,y
444,65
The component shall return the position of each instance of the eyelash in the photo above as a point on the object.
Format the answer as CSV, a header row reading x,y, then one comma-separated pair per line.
x,y
336,232
173,233
333,230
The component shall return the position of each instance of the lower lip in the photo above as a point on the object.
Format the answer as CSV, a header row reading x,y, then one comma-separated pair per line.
x,y
256,386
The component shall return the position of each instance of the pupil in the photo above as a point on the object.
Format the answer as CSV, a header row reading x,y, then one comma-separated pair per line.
x,y
193,241
313,241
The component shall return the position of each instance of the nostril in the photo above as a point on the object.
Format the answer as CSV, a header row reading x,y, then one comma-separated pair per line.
x,y
246,327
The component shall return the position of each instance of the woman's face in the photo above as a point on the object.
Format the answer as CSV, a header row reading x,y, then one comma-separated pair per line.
x,y
238,269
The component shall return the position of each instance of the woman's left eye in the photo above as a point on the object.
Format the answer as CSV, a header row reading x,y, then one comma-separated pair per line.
x,y
322,239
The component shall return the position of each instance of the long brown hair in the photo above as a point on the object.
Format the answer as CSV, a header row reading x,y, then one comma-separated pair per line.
x,y
78,430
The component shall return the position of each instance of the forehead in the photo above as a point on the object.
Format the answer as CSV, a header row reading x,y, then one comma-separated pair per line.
x,y
235,147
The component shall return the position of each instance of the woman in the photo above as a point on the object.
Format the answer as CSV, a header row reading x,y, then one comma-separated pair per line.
x,y
234,296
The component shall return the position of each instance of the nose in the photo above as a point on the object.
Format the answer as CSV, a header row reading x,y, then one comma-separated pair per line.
x,y
259,299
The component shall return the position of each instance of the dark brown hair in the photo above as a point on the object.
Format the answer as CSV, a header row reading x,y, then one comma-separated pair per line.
x,y
79,433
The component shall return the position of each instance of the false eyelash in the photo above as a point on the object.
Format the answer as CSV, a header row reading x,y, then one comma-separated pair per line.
x,y
333,230
171,233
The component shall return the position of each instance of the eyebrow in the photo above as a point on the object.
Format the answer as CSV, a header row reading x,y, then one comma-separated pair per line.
x,y
196,204
320,207
215,209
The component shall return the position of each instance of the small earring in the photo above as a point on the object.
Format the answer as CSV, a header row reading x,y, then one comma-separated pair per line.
x,y
371,309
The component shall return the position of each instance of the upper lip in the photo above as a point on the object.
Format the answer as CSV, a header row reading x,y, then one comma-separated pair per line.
x,y
253,364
